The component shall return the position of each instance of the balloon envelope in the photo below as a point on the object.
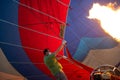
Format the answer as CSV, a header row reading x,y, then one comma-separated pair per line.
x,y
28,27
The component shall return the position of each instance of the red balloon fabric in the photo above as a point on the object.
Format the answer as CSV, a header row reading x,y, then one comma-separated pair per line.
x,y
42,24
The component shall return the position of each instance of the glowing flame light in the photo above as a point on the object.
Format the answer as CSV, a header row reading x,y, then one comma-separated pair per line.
x,y
109,18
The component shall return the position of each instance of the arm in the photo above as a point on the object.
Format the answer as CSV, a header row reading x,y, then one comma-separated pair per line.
x,y
60,48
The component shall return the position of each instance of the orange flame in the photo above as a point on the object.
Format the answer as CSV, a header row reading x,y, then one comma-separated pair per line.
x,y
109,18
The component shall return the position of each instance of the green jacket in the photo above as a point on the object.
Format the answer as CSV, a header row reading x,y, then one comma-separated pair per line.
x,y
52,63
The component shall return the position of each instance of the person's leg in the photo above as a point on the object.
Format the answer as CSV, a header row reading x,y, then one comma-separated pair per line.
x,y
61,76
57,76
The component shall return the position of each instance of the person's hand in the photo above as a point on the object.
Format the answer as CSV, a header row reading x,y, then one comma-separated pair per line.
x,y
64,42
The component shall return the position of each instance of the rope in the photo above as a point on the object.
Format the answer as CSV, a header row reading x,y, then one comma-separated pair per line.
x,y
63,3
66,18
39,11
24,63
11,44
30,63
68,59
64,57
40,75
89,69
5,21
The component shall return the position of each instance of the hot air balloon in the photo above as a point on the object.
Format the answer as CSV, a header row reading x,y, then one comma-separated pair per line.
x,y
27,27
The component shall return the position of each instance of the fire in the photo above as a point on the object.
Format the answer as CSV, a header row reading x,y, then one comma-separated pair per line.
x,y
109,18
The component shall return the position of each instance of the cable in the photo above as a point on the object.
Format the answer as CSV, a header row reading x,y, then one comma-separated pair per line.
x,y
66,18
24,63
63,3
41,75
5,21
11,44
64,57
38,11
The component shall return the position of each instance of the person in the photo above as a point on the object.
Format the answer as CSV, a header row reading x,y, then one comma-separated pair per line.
x,y
53,65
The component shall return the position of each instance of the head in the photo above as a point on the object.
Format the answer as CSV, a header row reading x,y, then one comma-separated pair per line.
x,y
46,52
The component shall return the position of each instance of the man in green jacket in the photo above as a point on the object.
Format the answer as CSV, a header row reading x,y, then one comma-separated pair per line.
x,y
53,65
